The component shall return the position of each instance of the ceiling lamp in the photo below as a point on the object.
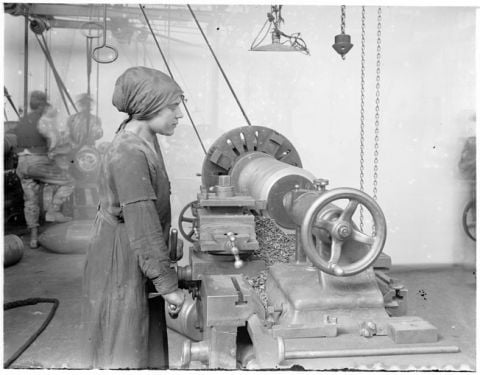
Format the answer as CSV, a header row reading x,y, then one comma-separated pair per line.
x,y
281,42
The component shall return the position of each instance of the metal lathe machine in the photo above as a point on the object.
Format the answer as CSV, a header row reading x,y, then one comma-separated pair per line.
x,y
332,298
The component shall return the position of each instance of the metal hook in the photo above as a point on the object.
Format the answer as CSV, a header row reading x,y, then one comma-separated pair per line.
x,y
104,43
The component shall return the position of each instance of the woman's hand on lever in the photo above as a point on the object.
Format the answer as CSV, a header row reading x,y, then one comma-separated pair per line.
x,y
175,301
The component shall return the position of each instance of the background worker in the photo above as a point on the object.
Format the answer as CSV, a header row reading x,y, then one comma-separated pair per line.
x,y
84,127
35,167
9,147
129,245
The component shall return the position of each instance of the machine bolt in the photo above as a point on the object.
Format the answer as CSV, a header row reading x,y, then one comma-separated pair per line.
x,y
344,231
368,329
211,192
365,333
320,184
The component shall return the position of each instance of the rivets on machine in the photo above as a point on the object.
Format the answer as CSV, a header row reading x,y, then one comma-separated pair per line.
x,y
368,329
320,184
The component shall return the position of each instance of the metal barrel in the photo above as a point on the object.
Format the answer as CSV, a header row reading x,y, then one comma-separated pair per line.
x,y
13,250
265,178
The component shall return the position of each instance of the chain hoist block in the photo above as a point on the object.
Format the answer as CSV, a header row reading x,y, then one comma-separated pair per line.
x,y
342,44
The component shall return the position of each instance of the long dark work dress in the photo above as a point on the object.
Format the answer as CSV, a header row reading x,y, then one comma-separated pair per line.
x,y
127,249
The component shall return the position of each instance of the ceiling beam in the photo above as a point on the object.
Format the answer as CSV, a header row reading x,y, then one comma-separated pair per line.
x,y
65,23
115,10
70,24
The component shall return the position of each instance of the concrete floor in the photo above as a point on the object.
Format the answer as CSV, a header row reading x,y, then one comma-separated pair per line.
x,y
443,296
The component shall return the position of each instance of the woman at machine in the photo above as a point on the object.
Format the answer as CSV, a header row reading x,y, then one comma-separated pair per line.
x,y
129,244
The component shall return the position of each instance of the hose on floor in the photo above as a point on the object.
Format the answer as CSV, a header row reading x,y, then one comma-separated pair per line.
x,y
27,302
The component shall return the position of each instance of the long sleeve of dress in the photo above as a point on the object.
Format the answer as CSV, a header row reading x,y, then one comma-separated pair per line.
x,y
145,235
136,194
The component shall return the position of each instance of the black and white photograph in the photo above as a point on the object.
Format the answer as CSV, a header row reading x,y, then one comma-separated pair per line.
x,y
240,186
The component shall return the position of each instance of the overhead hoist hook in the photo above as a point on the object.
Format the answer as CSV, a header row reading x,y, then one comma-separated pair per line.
x,y
342,41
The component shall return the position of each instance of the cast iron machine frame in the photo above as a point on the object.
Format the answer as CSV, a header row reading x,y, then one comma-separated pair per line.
x,y
333,299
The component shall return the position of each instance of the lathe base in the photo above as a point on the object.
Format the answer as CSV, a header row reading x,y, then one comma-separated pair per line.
x,y
267,352
316,304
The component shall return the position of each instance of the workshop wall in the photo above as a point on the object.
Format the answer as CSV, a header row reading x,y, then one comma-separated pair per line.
x,y
427,105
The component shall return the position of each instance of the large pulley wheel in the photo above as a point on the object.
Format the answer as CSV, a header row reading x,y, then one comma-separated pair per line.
x,y
341,229
232,145
188,222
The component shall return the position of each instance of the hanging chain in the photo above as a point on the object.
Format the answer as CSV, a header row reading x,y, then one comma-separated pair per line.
x,y
362,117
377,105
342,23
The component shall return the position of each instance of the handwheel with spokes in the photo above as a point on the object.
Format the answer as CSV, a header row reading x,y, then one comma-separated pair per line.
x,y
469,219
187,223
341,229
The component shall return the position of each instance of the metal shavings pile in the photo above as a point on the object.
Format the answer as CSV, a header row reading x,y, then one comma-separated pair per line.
x,y
274,247
258,284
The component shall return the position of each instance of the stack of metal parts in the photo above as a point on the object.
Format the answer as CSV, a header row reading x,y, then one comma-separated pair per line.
x,y
275,246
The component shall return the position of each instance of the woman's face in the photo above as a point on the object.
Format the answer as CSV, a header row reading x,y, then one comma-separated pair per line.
x,y
166,120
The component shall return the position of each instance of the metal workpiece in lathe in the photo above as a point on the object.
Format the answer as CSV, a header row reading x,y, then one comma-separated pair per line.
x,y
331,296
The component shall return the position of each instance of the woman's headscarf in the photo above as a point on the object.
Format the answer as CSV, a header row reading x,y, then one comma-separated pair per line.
x,y
143,92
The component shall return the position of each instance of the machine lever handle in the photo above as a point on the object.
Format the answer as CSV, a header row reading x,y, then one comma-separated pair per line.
x,y
173,244
171,308
172,311
238,262
234,249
